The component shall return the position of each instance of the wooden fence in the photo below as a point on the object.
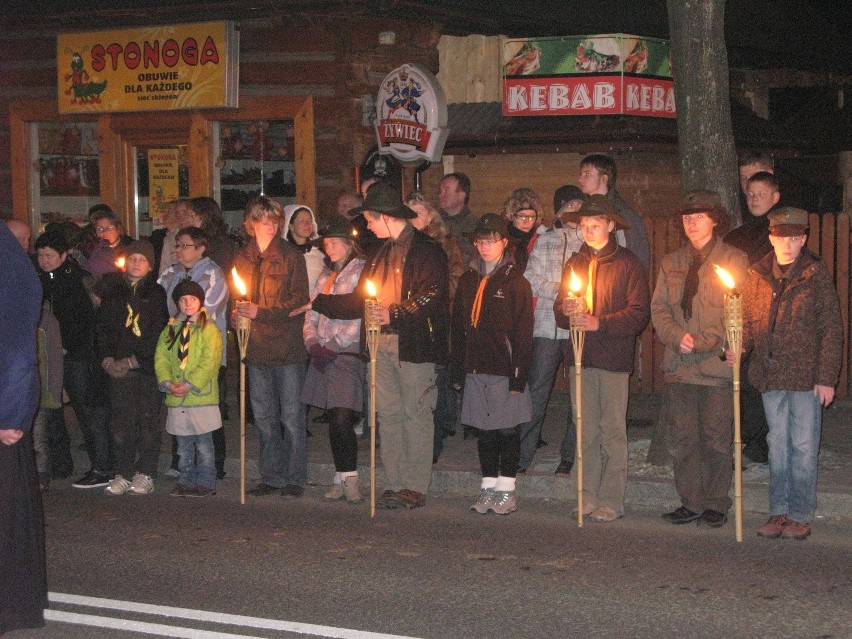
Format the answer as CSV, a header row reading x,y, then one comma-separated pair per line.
x,y
829,237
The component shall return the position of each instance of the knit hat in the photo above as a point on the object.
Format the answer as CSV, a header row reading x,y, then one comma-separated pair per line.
x,y
702,201
788,221
566,194
600,205
188,287
383,198
142,247
338,226
54,239
491,223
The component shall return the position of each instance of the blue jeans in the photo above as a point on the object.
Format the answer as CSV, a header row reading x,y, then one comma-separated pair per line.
x,y
281,418
197,465
445,414
547,354
795,421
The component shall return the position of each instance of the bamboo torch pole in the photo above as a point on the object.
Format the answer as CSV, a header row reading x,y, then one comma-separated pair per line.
x,y
243,331
578,339
372,330
734,335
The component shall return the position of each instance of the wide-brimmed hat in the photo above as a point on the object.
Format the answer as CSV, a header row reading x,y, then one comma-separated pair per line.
x,y
488,224
384,199
338,226
788,221
702,201
600,205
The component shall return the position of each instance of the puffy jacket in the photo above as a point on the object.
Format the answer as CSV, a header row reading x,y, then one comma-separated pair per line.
x,y
278,283
806,344
64,287
622,305
202,367
422,318
501,342
702,365
338,335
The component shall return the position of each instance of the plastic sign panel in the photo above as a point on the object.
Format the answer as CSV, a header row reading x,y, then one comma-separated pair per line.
x,y
588,75
411,115
179,66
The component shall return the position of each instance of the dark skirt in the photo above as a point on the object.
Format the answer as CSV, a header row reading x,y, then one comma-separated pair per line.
x,y
23,576
340,385
488,404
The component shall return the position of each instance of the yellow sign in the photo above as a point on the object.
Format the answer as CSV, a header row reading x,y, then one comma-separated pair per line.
x,y
180,66
163,185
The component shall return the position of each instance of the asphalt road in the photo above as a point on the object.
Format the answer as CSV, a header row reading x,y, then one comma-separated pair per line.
x,y
122,567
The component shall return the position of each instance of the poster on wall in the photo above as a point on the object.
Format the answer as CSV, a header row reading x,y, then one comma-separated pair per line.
x,y
163,183
178,66
588,75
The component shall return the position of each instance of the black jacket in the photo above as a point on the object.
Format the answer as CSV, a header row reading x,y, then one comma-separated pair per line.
x,y
65,289
501,342
422,318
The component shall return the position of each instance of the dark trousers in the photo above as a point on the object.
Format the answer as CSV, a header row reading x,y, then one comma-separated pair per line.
x,y
754,427
58,443
93,419
23,574
499,451
341,436
700,444
136,404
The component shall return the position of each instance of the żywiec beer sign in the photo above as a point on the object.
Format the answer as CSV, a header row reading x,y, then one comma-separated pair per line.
x,y
588,75
178,66
411,115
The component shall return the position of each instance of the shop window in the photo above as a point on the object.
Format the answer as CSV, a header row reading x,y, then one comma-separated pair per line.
x,y
253,158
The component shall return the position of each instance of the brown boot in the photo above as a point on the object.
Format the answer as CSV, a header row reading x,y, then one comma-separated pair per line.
x,y
352,490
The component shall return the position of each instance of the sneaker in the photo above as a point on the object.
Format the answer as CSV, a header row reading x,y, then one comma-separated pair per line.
x,y
118,486
774,526
93,479
604,514
411,498
682,515
713,519
179,490
563,469
485,501
352,490
796,530
504,502
141,484
292,490
334,493
200,491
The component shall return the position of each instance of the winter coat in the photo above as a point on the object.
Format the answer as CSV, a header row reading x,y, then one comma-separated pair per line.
x,y
703,365
144,305
422,317
65,289
635,237
805,347
50,359
621,304
277,282
339,335
752,238
202,367
501,343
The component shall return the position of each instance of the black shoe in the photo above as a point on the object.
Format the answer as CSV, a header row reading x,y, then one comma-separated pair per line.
x,y
713,519
682,515
292,490
262,490
564,468
220,473
93,479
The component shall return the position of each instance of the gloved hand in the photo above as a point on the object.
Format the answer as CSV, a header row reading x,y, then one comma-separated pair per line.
x,y
321,356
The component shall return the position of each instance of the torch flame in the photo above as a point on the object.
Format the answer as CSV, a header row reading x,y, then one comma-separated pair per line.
x,y
238,282
726,278
371,289
574,284
120,263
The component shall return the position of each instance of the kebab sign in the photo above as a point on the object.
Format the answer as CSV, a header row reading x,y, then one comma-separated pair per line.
x,y
588,75
411,115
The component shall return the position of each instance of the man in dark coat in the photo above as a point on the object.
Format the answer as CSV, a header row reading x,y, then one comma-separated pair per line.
x,y
23,578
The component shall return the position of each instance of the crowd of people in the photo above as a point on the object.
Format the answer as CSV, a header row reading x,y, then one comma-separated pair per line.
x,y
474,315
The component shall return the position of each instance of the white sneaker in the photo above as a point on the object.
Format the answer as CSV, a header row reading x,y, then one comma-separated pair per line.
x,y
141,485
118,486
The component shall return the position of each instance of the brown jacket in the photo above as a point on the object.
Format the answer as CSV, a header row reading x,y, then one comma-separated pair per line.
x,y
702,365
805,346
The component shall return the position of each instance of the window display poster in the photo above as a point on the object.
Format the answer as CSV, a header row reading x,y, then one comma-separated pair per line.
x,y
163,185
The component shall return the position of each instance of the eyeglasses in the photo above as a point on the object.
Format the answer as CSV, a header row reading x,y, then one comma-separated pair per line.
x,y
525,218
183,246
103,229
695,217
484,242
